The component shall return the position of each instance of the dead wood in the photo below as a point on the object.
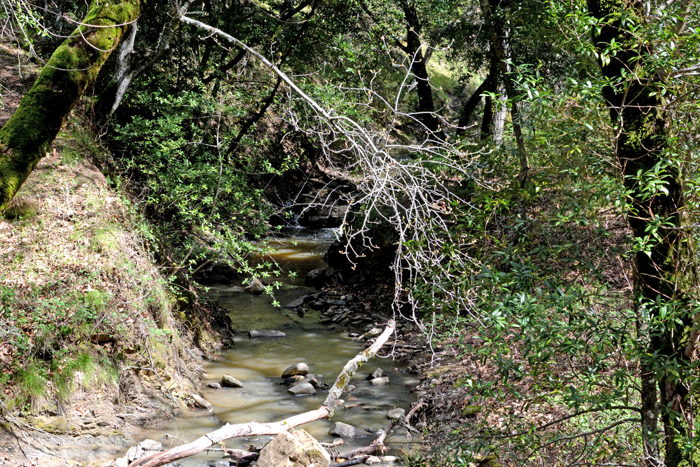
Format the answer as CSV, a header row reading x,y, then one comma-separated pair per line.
x,y
257,429
376,446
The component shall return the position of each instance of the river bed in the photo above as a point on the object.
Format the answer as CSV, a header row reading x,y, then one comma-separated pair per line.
x,y
259,363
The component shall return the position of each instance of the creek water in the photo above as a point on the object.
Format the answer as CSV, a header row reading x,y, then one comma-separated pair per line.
x,y
259,363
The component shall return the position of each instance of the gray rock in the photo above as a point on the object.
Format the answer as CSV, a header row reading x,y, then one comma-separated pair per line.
x,y
319,277
383,381
378,373
218,463
349,388
348,432
201,402
296,303
296,379
336,302
313,381
214,385
302,389
144,448
261,333
255,286
298,369
298,449
230,382
150,445
395,414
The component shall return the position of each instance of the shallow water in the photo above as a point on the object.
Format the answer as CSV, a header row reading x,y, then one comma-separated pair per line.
x,y
259,363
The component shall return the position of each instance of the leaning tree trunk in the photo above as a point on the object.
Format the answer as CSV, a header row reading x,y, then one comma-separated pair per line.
x,y
26,137
419,66
635,108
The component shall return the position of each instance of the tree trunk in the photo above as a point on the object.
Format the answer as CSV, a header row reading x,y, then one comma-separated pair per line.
x,y
654,217
419,66
470,106
74,65
498,51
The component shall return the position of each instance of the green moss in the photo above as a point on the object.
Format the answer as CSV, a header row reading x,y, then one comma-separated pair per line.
x,y
26,136
21,208
471,410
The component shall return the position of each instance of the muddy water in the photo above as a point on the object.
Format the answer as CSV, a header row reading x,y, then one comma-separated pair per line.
x,y
259,363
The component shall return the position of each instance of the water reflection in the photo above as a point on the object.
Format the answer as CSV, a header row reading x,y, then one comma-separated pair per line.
x,y
259,363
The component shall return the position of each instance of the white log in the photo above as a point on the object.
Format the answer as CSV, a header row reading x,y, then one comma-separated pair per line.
x,y
240,430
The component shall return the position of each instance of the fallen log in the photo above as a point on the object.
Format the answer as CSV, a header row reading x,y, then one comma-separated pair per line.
x,y
257,429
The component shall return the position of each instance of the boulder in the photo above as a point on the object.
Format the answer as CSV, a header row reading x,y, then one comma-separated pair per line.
x,y
302,389
383,381
214,385
378,373
230,382
201,402
296,303
298,369
292,380
262,333
318,278
143,449
255,286
298,449
348,432
395,414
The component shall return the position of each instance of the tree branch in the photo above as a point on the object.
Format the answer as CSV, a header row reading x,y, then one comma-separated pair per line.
x,y
258,429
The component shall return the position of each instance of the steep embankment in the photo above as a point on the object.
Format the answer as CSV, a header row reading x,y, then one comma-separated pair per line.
x,y
92,340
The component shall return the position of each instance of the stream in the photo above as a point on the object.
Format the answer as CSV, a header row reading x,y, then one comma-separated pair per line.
x,y
259,363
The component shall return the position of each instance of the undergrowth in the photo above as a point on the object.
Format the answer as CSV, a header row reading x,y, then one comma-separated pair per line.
x,y
78,290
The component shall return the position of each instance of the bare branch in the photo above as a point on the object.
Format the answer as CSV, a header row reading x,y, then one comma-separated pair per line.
x,y
257,429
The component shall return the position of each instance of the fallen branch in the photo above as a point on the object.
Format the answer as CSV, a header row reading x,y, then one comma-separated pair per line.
x,y
376,446
258,429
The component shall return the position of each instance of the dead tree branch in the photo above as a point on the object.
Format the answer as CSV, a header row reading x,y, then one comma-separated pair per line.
x,y
257,429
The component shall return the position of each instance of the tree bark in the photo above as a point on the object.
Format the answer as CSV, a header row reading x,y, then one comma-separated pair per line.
x,y
74,65
498,51
419,66
257,429
635,108
470,106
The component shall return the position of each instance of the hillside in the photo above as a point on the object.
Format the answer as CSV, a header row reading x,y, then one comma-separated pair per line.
x,y
89,341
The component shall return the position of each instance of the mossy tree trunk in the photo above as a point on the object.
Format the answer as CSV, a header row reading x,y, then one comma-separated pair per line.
x,y
654,183
74,65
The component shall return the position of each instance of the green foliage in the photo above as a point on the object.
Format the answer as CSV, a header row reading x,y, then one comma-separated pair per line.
x,y
200,194
32,383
